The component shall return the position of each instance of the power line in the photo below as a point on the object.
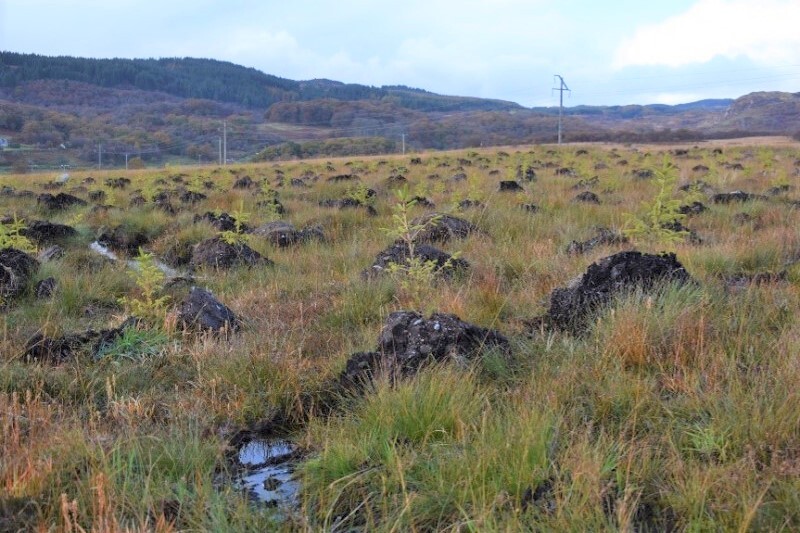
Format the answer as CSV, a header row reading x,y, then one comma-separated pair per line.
x,y
712,78
245,136
561,88
224,142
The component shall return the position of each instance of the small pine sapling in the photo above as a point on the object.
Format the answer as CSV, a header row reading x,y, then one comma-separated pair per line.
x,y
237,235
438,188
271,206
515,170
781,181
113,197
661,214
196,184
361,194
76,219
766,157
415,274
475,193
422,189
149,280
11,236
267,190
149,191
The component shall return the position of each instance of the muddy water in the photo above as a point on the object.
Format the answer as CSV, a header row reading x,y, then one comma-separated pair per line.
x,y
268,472
105,252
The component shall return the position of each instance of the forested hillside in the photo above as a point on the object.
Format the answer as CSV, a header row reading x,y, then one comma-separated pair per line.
x,y
219,81
67,112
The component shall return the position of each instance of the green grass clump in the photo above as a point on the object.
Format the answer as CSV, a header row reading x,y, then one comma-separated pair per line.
x,y
135,345
438,443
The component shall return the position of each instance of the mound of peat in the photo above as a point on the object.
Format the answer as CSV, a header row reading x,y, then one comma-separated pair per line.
x,y
439,227
222,221
283,234
40,348
59,201
586,197
217,253
200,310
571,306
408,341
45,232
735,196
124,239
604,236
16,270
400,254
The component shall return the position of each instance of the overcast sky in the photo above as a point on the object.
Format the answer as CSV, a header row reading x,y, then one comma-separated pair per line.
x,y
612,52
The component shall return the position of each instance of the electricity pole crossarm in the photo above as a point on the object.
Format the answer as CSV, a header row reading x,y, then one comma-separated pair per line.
x,y
561,88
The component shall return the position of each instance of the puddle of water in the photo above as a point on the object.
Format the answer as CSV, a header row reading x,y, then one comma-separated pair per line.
x,y
168,271
269,472
102,250
105,252
258,452
274,485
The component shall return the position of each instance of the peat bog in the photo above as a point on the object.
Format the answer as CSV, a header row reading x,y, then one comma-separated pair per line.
x,y
534,338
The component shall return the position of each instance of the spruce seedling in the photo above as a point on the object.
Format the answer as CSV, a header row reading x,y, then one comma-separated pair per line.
x,y
361,194
149,191
195,185
415,274
475,193
237,235
661,213
149,279
11,236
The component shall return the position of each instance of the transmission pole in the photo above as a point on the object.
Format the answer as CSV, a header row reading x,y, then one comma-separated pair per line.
x,y
404,144
99,155
224,142
561,88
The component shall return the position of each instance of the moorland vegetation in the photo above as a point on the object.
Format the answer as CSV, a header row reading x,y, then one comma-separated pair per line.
x,y
450,341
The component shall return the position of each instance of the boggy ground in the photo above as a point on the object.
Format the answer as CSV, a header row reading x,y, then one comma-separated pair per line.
x,y
672,406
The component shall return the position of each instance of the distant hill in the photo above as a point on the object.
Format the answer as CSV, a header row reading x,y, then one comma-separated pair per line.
x,y
623,112
70,111
220,81
764,111
711,103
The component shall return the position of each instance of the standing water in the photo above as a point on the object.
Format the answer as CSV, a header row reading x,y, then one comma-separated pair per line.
x,y
269,471
105,252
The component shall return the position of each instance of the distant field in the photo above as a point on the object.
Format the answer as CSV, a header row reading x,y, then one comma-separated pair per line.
x,y
572,397
773,141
